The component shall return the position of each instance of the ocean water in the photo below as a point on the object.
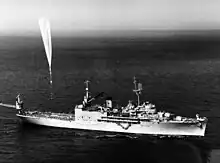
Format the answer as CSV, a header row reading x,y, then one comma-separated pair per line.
x,y
180,74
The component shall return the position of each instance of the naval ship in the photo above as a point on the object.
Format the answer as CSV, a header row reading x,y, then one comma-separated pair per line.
x,y
135,118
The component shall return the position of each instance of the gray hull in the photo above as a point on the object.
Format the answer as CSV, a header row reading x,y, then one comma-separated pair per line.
x,y
150,128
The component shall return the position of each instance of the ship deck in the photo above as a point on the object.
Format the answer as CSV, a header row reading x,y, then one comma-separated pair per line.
x,y
133,120
61,116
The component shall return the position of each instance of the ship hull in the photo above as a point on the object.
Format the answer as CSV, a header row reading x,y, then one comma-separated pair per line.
x,y
148,128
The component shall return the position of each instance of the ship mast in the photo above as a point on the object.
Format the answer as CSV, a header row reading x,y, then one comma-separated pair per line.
x,y
137,89
87,89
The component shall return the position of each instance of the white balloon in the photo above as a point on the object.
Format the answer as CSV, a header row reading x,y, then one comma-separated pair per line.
x,y
46,37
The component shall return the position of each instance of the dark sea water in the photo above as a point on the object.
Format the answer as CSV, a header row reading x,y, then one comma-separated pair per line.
x,y
180,74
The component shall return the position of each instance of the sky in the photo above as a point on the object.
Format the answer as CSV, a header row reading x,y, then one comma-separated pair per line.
x,y
93,15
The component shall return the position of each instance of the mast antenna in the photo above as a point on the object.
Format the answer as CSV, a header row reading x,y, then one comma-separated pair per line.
x,y
137,89
87,88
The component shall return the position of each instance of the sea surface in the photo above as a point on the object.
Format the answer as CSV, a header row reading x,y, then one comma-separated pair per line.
x,y
179,73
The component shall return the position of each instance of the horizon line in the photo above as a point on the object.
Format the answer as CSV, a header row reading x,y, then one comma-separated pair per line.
x,y
117,32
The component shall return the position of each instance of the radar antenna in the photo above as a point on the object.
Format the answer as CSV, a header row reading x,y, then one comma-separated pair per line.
x,y
137,89
87,88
